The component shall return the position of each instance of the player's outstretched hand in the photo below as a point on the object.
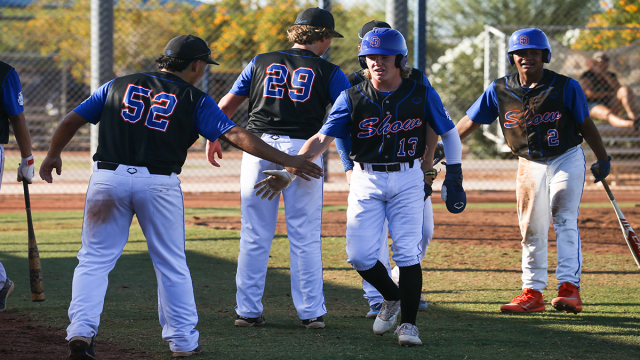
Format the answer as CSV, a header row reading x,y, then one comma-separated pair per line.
x,y
273,185
213,148
600,169
439,154
25,170
47,167
452,192
300,165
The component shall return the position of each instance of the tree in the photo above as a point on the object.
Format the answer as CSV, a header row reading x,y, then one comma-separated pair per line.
x,y
623,13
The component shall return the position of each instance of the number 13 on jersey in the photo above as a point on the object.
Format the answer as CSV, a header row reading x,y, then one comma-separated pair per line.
x,y
275,83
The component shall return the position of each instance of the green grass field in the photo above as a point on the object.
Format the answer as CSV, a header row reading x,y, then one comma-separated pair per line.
x,y
464,286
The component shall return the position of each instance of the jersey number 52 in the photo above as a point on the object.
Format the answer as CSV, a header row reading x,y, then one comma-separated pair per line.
x,y
163,105
275,83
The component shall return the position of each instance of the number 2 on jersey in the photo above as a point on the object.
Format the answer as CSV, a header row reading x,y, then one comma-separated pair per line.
x,y
276,81
156,119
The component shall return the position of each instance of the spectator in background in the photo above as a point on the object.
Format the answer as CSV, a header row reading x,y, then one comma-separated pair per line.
x,y
605,96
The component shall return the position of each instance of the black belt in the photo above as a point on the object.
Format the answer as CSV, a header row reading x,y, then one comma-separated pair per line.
x,y
102,165
387,167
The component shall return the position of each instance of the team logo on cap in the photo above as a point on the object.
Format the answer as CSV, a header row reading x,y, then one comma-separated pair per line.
x,y
300,21
524,40
169,52
375,41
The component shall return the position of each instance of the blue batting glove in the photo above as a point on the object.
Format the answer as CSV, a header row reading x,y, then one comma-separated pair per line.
x,y
452,192
600,169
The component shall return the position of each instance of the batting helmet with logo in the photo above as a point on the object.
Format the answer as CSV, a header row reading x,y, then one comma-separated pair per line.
x,y
529,39
381,41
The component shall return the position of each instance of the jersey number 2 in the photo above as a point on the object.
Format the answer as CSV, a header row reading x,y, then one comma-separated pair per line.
x,y
301,82
552,137
164,105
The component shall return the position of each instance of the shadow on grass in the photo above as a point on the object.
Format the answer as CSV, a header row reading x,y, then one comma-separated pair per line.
x,y
130,319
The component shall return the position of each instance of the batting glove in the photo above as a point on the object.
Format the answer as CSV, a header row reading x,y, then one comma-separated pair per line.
x,y
273,185
439,154
600,169
25,170
429,176
452,192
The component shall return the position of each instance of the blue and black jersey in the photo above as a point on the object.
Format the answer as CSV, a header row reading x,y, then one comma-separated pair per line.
x,y
12,100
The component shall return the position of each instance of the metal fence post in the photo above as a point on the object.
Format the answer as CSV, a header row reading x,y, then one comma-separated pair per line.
x,y
101,51
420,35
397,14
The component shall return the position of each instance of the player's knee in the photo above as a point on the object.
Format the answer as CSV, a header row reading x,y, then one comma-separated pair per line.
x,y
361,263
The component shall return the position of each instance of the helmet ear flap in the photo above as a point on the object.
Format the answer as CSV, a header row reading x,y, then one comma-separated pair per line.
x,y
511,59
401,61
363,61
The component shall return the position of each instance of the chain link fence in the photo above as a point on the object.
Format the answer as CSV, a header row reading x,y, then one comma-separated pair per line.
x,y
49,44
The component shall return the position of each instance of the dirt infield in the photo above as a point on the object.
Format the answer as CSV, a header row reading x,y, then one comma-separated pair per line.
x,y
23,338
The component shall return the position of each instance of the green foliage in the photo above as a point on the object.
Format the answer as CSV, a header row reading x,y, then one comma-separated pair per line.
x,y
620,13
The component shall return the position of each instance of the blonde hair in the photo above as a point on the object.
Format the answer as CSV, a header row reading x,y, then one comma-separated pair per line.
x,y
404,72
308,35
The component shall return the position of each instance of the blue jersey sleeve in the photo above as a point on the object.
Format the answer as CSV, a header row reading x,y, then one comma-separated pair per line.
x,y
485,110
12,100
210,121
424,81
576,101
242,86
337,83
338,123
91,109
343,145
438,117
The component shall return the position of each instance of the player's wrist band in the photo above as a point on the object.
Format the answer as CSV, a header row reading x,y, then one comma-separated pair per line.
x,y
431,172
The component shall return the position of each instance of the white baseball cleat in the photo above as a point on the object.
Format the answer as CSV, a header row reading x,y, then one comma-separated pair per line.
x,y
387,317
408,335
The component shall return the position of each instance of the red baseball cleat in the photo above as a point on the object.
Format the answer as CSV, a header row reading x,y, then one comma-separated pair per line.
x,y
568,299
529,301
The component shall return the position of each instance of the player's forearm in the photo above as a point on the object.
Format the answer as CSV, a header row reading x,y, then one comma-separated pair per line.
x,y
247,142
21,132
65,131
316,145
592,137
466,126
452,147
432,140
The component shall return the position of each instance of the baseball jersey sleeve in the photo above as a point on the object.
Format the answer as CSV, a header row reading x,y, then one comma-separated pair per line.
x,y
424,81
575,100
343,145
12,100
338,123
210,121
439,118
242,86
337,83
91,109
485,110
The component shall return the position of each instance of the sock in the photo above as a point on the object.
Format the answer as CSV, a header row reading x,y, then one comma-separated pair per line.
x,y
378,277
410,289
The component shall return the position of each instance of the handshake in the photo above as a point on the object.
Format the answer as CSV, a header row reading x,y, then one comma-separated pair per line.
x,y
452,191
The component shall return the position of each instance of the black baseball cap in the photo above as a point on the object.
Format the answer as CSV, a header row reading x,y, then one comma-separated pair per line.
x,y
317,17
370,26
189,47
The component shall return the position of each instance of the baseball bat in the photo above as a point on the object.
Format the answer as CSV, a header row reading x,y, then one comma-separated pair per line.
x,y
35,271
629,235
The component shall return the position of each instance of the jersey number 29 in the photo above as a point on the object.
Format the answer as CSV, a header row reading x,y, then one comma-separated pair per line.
x,y
163,105
276,82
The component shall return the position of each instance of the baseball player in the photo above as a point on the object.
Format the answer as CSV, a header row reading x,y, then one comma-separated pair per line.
x,y
288,91
544,118
148,121
387,117
12,111
343,146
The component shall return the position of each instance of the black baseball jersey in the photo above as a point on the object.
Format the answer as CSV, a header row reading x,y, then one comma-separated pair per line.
x,y
289,92
536,123
160,140
418,76
388,128
5,69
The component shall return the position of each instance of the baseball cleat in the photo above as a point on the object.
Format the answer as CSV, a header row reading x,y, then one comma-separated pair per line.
x,y
529,301
314,323
374,309
195,351
4,293
247,321
408,335
81,348
568,299
387,317
423,303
